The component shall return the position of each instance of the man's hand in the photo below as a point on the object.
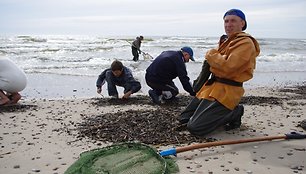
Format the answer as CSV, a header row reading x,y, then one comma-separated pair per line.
x,y
211,52
127,95
99,90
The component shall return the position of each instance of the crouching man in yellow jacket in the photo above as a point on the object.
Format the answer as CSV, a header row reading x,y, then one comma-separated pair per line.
x,y
232,63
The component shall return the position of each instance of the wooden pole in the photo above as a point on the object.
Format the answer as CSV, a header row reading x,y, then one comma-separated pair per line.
x,y
220,143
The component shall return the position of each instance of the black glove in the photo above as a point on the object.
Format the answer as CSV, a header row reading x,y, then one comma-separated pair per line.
x,y
192,93
202,78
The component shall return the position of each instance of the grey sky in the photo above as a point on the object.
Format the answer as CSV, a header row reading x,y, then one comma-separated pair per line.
x,y
266,18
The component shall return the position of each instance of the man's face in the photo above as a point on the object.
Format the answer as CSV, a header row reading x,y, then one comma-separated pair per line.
x,y
233,24
186,56
117,73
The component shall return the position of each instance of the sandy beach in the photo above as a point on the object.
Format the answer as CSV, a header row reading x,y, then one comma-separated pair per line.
x,y
42,135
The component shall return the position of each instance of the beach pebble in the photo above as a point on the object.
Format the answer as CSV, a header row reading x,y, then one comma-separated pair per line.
x,y
192,170
35,170
188,157
295,167
55,168
249,172
289,153
237,168
198,165
16,166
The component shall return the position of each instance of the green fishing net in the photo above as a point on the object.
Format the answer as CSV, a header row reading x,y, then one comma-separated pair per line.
x,y
125,158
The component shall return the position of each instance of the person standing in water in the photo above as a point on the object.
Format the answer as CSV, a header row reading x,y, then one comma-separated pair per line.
x,y
136,44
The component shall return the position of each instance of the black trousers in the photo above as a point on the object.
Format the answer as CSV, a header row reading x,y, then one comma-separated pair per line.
x,y
158,88
204,116
135,54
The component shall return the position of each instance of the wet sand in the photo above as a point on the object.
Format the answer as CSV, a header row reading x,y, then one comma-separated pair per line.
x,y
53,86
47,135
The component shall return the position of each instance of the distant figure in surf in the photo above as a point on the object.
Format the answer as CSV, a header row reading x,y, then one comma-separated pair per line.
x,y
166,67
118,75
12,81
136,44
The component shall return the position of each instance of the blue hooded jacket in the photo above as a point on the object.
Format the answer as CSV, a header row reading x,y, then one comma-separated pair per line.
x,y
125,78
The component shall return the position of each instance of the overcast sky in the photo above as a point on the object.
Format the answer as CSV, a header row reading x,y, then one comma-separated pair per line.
x,y
265,18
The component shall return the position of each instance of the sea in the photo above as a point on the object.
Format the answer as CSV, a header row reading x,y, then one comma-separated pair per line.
x,y
65,66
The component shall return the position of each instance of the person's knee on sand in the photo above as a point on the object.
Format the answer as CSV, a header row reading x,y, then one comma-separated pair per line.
x,y
189,111
208,116
201,130
235,121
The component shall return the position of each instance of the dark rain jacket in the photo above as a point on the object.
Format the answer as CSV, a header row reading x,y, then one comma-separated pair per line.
x,y
137,43
166,67
126,77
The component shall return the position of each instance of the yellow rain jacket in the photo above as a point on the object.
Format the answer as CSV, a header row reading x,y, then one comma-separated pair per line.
x,y
233,60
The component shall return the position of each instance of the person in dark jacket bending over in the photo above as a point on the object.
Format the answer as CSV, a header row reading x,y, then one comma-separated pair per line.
x,y
118,75
166,67
136,48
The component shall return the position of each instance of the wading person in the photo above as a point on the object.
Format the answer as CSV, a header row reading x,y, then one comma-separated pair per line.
x,y
232,63
136,44
118,75
166,67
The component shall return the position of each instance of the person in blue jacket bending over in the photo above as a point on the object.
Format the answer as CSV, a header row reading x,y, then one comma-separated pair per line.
x,y
166,67
118,75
